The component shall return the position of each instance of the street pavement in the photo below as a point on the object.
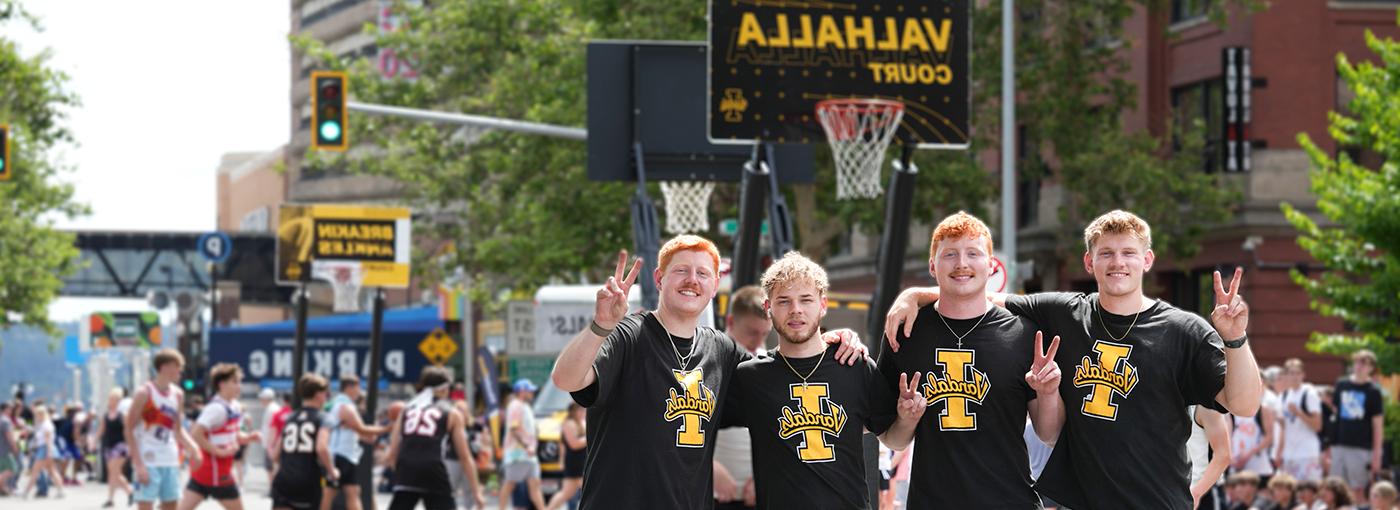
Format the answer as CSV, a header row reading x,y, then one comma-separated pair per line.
x,y
92,495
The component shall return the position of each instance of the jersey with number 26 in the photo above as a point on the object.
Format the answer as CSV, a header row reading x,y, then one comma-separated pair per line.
x,y
421,450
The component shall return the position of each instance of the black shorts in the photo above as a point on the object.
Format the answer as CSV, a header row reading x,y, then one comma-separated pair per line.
x,y
306,500
239,456
406,500
347,474
223,492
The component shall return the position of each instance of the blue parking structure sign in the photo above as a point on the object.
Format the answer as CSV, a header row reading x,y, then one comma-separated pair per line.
x,y
215,246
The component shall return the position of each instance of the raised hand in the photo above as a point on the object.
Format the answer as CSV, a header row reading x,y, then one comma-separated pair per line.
x,y
612,298
911,404
1231,314
1044,375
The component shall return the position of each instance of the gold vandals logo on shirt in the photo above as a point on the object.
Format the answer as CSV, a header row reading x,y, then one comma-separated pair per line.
x,y
961,383
814,423
1112,374
695,404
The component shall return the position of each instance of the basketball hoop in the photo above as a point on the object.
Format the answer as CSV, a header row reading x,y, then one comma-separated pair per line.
x,y
687,206
345,277
859,130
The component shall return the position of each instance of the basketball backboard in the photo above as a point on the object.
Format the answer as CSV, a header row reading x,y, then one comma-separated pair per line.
x,y
653,92
770,61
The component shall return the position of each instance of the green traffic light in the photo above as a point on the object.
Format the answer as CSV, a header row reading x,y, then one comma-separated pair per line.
x,y
2,163
330,130
189,385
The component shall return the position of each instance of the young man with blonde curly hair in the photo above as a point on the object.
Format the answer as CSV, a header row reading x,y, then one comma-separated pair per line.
x,y
1137,364
654,384
804,416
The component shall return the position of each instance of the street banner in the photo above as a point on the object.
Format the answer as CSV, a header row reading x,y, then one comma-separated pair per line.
x,y
376,237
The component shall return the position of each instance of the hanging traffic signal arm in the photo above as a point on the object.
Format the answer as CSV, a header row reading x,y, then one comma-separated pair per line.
x,y
328,110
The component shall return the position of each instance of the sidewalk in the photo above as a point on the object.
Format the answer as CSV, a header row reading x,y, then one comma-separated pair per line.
x,y
91,496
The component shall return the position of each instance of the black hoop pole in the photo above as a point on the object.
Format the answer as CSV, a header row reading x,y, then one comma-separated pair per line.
x,y
894,242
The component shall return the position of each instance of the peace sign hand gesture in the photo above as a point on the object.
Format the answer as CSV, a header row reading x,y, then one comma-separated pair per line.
x,y
1044,375
1231,314
911,404
612,298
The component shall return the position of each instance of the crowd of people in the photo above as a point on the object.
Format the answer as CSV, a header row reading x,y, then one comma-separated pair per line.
x,y
51,443
1311,446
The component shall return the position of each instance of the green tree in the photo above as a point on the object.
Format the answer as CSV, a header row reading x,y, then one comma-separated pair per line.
x,y
524,59
1362,283
36,256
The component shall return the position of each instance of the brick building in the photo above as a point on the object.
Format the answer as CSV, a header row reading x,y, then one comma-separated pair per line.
x,y
1177,64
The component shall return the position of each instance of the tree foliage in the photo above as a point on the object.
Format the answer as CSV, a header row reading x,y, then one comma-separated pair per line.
x,y
526,213
1362,284
36,256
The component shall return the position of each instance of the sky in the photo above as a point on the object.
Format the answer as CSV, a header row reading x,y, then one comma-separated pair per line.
x,y
167,87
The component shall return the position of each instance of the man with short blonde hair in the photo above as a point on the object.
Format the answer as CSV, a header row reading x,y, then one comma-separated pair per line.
x,y
805,417
1137,363
653,383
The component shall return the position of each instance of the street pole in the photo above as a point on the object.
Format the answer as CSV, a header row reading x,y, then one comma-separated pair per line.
x,y
1008,142
365,474
299,348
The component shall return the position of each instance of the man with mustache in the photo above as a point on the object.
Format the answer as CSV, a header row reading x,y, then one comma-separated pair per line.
x,y
804,416
1138,363
654,384
983,372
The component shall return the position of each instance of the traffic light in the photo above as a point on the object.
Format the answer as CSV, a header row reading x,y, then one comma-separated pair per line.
x,y
4,151
328,110
189,385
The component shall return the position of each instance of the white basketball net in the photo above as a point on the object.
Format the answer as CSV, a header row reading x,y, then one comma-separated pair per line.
x,y
859,130
345,277
687,206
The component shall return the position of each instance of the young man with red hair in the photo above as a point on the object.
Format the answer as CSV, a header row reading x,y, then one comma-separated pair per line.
x,y
1138,362
653,383
983,372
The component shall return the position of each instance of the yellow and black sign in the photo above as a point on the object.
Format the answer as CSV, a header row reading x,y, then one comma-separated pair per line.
x,y
772,60
437,347
376,237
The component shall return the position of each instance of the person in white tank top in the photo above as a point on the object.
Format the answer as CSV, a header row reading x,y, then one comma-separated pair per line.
x,y
153,427
1210,432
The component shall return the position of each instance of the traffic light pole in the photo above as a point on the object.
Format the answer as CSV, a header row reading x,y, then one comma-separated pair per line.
x,y
299,347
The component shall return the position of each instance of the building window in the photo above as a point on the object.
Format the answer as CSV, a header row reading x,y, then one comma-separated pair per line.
x,y
1186,10
255,220
1204,101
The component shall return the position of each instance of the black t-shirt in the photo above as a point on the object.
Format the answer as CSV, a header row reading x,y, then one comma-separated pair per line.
x,y
651,423
1356,405
299,472
970,451
1124,440
425,435
808,447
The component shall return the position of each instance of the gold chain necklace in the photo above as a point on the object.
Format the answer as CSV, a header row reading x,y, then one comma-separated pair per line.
x,y
799,375
1110,333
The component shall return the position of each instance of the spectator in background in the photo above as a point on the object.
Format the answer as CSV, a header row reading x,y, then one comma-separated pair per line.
x,y
461,489
270,408
112,434
45,453
9,446
458,392
1245,495
520,463
1335,493
1383,497
1308,496
1299,450
1356,454
575,443
1252,439
747,323
1282,489
1328,435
